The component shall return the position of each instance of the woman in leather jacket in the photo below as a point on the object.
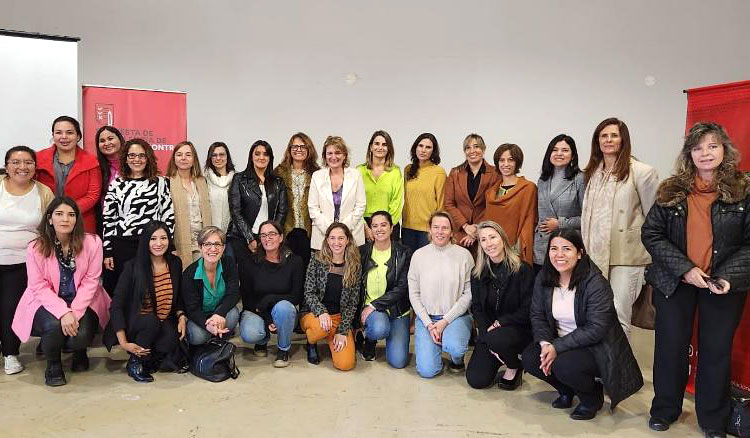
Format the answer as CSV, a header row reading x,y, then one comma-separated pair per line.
x,y
256,194
698,235
385,308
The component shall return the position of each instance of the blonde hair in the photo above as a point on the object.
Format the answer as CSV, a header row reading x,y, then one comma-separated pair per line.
x,y
195,169
338,143
352,267
511,259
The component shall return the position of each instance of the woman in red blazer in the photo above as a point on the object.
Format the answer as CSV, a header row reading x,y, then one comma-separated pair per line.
x,y
63,301
69,171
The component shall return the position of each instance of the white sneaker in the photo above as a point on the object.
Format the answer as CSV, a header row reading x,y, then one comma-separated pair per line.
x,y
13,365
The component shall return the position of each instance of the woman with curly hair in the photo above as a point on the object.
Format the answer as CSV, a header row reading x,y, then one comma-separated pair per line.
x,y
698,235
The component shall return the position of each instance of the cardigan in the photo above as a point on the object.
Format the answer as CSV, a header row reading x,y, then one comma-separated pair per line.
x,y
315,289
385,193
285,173
320,203
423,195
44,283
130,204
516,212
182,215
457,203
84,183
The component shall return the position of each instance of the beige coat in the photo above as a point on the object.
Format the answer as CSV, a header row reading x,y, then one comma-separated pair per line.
x,y
633,200
182,216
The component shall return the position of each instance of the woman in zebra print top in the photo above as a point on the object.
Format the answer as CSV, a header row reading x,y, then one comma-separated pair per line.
x,y
134,199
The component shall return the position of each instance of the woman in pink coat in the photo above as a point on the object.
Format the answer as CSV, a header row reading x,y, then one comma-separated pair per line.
x,y
63,301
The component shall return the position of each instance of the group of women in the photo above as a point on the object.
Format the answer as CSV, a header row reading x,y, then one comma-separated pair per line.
x,y
545,273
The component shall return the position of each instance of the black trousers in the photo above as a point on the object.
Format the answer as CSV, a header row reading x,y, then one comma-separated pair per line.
x,y
12,284
573,372
298,242
149,331
49,328
718,317
122,251
506,342
243,257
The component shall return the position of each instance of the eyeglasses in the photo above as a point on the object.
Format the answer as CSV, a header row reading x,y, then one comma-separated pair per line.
x,y
216,245
270,235
298,147
134,156
29,163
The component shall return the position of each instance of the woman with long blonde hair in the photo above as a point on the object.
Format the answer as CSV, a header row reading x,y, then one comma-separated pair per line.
x,y
332,288
501,289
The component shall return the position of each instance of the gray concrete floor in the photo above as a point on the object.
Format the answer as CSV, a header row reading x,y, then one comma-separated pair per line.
x,y
304,400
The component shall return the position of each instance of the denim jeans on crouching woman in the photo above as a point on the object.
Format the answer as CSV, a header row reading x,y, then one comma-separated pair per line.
x,y
379,325
253,327
197,335
455,342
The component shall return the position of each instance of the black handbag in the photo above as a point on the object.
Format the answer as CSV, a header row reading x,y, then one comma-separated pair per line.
x,y
214,360
739,417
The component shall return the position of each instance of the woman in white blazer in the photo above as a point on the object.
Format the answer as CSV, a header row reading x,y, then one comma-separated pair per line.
x,y
337,194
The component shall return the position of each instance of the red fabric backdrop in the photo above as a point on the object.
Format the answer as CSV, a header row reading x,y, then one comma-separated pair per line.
x,y
159,117
728,105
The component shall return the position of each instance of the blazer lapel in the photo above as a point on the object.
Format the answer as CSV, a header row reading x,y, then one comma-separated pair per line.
x,y
562,188
484,184
53,270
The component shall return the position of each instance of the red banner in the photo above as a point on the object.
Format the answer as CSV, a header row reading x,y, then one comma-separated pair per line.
x,y
729,106
159,117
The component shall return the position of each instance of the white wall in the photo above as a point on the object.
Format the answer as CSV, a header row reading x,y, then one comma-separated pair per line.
x,y
512,71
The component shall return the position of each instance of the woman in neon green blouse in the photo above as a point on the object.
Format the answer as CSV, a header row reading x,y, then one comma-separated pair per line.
x,y
384,184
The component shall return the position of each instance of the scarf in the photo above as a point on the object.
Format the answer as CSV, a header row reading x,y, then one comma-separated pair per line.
x,y
596,217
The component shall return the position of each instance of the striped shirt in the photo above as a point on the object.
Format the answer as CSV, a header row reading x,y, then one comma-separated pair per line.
x,y
163,292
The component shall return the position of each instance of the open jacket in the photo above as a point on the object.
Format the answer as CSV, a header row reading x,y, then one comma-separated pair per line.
x,y
395,300
245,198
665,234
127,300
285,173
84,183
315,290
192,292
597,329
457,203
515,299
181,206
43,286
322,210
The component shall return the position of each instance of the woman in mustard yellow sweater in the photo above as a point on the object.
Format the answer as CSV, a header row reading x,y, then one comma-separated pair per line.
x,y
423,190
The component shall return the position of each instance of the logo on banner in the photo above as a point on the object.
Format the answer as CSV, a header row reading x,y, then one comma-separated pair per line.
x,y
104,114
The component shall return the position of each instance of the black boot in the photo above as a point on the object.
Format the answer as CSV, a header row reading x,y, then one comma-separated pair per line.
x,y
368,349
80,361
54,375
312,354
136,370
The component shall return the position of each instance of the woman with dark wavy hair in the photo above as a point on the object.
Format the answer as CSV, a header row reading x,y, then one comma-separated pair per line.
x,y
424,190
698,235
109,143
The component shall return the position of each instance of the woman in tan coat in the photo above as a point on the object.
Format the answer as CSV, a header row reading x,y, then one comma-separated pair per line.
x,y
619,193
192,206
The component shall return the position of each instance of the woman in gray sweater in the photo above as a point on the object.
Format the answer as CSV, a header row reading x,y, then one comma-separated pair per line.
x,y
560,194
440,293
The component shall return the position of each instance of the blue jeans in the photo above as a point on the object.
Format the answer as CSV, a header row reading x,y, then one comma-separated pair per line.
x,y
455,342
253,327
198,335
396,334
414,239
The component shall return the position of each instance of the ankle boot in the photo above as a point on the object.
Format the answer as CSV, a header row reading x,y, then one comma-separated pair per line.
x,y
80,361
312,354
54,375
136,370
